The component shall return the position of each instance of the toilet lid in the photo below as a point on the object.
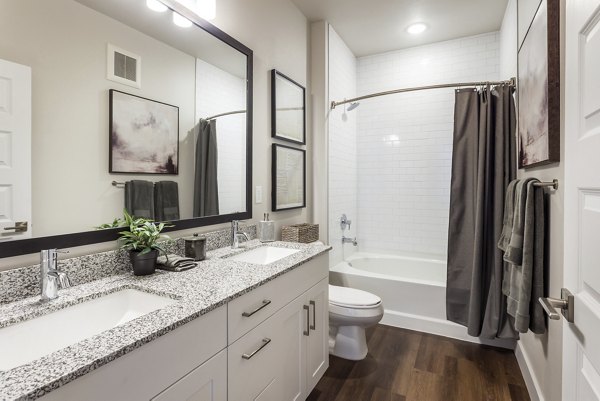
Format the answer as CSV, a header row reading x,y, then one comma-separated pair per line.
x,y
351,297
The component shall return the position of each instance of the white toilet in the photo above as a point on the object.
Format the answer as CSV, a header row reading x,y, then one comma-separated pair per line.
x,y
351,311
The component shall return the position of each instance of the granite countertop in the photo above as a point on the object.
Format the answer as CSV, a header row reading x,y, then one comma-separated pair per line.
x,y
213,283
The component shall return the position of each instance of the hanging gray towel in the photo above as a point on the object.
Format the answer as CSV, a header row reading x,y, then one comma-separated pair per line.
x,y
166,201
524,283
509,215
514,251
139,198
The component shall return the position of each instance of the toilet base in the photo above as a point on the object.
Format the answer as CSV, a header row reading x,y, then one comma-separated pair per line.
x,y
348,342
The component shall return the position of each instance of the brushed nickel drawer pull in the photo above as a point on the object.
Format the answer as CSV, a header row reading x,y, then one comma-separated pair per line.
x,y
313,326
307,309
265,302
265,341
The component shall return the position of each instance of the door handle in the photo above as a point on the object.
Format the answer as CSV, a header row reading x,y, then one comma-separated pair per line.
x,y
307,309
566,305
313,326
265,342
20,227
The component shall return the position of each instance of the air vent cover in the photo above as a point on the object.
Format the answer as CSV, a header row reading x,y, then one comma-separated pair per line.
x,y
123,66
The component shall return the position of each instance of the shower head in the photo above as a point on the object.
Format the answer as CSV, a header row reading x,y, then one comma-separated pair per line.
x,y
353,106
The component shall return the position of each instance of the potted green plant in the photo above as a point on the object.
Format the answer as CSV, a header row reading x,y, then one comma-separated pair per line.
x,y
142,240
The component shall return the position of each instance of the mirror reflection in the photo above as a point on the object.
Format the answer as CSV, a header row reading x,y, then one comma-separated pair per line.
x,y
131,107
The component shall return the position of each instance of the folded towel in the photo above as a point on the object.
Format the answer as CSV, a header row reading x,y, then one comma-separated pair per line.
x,y
175,263
514,251
139,198
509,210
166,201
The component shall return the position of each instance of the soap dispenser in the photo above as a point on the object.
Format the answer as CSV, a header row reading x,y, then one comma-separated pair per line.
x,y
266,229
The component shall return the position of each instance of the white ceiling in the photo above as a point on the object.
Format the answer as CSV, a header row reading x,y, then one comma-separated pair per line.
x,y
376,26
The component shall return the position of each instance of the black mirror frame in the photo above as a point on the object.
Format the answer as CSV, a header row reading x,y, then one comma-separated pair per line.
x,y
33,245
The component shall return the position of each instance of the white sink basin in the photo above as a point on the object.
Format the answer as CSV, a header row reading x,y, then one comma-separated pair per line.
x,y
25,342
264,255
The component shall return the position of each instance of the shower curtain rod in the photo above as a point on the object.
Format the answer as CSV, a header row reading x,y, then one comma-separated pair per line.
x,y
225,114
511,81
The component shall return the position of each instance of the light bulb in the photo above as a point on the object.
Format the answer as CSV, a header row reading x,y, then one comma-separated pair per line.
x,y
156,5
181,21
417,28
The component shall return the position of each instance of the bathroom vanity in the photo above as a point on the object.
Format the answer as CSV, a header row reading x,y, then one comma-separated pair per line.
x,y
245,324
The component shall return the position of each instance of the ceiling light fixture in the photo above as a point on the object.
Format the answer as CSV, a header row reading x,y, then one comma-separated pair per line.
x,y
156,5
416,28
181,21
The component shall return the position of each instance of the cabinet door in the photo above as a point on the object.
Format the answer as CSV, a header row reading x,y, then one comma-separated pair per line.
x,y
267,364
208,382
317,343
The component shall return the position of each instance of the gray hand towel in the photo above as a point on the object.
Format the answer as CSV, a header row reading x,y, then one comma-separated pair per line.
x,y
514,252
509,210
139,198
526,281
166,201
175,263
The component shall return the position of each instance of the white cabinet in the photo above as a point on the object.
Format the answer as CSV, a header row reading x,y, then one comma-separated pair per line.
x,y
284,357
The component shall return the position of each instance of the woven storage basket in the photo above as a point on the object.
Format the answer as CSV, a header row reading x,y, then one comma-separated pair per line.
x,y
304,233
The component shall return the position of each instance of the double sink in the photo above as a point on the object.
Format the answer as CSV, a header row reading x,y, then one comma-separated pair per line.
x,y
32,339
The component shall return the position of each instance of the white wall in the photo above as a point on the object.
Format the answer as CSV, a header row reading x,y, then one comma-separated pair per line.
x,y
540,356
405,141
217,92
343,174
278,34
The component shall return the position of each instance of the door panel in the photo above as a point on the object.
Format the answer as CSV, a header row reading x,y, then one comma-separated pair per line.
x,y
581,344
15,148
317,349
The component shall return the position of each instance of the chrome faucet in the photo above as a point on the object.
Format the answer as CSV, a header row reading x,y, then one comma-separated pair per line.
x,y
51,279
346,240
236,234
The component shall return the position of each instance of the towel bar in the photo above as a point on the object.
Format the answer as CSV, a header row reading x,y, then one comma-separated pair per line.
x,y
553,184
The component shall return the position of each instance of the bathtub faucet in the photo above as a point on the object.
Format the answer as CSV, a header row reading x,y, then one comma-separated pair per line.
x,y
352,241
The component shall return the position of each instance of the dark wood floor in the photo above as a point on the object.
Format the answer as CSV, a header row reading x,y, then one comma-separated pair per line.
x,y
404,365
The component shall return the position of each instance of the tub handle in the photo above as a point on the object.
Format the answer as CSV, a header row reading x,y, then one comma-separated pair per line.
x,y
313,326
264,303
307,331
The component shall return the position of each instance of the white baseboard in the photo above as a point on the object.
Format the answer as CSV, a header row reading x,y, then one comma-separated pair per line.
x,y
440,327
533,387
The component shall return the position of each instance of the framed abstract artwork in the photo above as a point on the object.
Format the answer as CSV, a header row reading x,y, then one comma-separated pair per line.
x,y
288,178
288,109
539,88
144,135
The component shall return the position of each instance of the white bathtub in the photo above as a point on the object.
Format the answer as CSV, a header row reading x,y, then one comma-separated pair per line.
x,y
413,291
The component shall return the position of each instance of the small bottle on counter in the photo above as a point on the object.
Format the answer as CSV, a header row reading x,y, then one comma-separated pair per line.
x,y
195,247
266,229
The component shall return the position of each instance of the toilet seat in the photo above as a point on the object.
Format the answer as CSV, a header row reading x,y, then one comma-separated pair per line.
x,y
352,298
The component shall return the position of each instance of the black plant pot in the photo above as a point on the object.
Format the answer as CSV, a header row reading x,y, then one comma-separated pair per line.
x,y
145,264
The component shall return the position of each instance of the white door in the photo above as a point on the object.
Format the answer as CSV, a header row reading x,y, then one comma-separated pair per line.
x,y
317,343
581,339
15,151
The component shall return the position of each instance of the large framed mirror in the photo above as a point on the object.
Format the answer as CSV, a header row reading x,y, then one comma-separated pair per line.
x,y
112,104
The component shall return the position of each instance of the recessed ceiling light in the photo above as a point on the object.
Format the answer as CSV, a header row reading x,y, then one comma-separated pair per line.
x,y
417,28
156,5
181,21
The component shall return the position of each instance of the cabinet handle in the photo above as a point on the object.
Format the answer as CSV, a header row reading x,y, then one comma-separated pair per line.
x,y
313,326
307,309
265,342
265,302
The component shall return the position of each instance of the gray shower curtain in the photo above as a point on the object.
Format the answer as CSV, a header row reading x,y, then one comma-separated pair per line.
x,y
483,163
206,188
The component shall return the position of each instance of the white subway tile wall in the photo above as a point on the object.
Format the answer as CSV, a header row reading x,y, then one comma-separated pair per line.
x,y
404,151
343,174
218,91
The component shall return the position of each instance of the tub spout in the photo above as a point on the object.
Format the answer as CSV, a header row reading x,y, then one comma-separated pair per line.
x,y
352,241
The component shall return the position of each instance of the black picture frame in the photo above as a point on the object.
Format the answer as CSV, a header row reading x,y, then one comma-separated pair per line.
x,y
275,109
528,150
112,141
33,245
274,179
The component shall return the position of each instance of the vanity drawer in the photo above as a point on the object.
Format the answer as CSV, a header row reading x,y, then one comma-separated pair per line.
x,y
249,310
